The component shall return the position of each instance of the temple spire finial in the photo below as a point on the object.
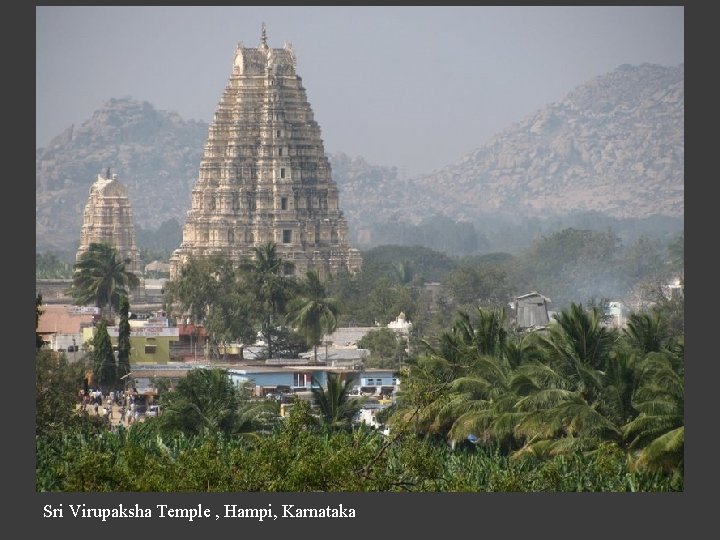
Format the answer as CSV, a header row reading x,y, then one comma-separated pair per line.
x,y
263,36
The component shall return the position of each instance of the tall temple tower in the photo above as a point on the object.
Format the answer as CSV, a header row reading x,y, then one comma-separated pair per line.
x,y
108,217
264,176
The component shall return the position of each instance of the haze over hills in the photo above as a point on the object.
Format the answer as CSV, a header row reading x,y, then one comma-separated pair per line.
x,y
614,146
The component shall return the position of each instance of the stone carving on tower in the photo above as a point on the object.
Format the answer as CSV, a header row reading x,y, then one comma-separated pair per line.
x,y
108,217
264,176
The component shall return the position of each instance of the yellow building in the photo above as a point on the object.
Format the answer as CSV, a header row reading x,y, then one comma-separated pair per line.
x,y
149,339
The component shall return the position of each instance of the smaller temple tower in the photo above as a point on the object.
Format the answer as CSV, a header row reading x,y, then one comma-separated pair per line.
x,y
108,217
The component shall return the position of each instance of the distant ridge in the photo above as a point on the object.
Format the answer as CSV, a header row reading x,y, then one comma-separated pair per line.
x,y
614,145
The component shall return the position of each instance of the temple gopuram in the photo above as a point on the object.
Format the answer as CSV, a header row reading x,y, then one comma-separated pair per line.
x,y
108,218
264,176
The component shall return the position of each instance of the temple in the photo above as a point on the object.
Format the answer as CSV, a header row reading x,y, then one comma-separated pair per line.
x,y
264,176
108,217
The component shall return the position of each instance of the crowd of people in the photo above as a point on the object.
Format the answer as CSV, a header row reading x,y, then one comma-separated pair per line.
x,y
117,406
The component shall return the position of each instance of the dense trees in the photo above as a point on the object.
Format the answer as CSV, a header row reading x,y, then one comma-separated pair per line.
x,y
575,387
207,402
579,406
53,266
56,388
387,348
297,457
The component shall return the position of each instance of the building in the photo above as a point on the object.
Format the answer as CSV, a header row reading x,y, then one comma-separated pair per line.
x,y
531,311
303,378
264,176
617,313
150,339
108,218
61,327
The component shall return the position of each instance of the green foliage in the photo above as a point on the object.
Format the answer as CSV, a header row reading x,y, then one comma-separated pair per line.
x,y
123,359
570,264
101,279
486,285
387,348
313,313
158,244
266,277
657,434
207,402
298,457
427,264
57,383
105,369
53,266
197,286
337,406
435,232
287,343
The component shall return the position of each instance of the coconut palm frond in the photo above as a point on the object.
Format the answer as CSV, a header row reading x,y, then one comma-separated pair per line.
x,y
545,399
666,452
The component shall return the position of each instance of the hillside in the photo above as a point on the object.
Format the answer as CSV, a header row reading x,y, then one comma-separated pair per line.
x,y
155,153
613,146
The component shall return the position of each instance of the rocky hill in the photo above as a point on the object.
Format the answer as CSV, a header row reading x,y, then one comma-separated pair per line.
x,y
155,153
614,145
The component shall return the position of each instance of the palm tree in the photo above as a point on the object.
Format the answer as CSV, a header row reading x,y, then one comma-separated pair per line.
x,y
462,388
208,402
337,406
273,290
101,278
313,312
563,396
657,434
646,331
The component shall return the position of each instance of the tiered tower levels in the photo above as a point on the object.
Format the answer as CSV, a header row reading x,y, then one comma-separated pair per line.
x,y
264,175
108,217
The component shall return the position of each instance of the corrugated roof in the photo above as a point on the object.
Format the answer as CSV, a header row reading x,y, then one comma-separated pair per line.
x,y
161,373
534,293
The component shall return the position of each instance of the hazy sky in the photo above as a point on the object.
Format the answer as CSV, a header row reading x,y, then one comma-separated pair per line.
x,y
417,87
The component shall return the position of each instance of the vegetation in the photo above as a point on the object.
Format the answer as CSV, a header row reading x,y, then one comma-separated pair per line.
x,y
53,265
267,279
207,402
158,244
123,348
337,406
101,279
313,312
577,407
297,457
105,368
387,348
